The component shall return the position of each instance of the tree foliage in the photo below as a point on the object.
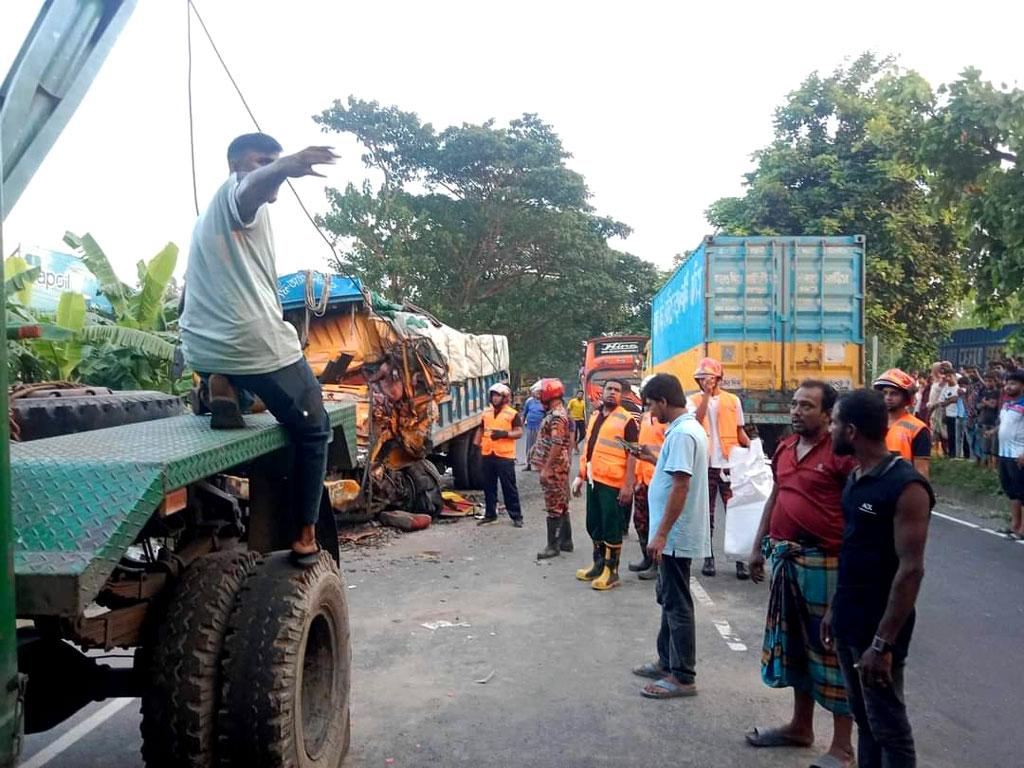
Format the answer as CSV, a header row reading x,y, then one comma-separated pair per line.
x,y
487,227
846,159
974,143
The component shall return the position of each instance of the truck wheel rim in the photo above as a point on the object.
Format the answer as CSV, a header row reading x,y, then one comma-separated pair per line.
x,y
319,681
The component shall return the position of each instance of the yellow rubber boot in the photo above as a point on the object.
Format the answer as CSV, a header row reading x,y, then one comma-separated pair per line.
x,y
589,574
609,577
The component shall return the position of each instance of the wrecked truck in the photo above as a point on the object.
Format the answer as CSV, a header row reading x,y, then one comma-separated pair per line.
x,y
419,388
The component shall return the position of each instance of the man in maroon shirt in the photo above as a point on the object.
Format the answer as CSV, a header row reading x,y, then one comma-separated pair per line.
x,y
803,522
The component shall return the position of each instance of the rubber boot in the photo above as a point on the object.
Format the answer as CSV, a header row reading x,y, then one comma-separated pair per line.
x,y
610,575
584,574
565,534
223,403
644,564
551,550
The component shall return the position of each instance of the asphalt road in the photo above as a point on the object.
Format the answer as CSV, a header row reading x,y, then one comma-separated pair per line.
x,y
556,658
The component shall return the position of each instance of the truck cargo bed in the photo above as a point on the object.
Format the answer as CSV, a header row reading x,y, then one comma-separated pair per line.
x,y
80,500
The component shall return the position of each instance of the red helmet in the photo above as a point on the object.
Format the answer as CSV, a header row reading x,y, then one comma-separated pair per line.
x,y
550,389
897,379
708,367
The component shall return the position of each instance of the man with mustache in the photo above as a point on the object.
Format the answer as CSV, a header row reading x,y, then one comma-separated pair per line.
x,y
606,468
803,520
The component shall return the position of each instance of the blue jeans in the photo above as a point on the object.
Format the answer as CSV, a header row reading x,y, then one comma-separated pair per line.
x,y
293,395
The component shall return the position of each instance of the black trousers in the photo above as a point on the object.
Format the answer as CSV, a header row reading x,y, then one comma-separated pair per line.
x,y
677,638
293,395
497,469
952,450
885,739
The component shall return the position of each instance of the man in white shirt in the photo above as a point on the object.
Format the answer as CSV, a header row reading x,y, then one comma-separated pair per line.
x,y
233,330
680,532
721,415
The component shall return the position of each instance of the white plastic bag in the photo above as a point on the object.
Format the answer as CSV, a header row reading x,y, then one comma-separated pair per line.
x,y
751,486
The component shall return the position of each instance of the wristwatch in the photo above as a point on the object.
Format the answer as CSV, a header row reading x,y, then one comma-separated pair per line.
x,y
881,645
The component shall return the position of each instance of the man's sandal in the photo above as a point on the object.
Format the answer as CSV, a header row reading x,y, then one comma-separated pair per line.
x,y
665,689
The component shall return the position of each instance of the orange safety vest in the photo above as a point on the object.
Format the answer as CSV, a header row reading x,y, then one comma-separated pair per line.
x,y
900,437
504,447
728,419
652,432
608,461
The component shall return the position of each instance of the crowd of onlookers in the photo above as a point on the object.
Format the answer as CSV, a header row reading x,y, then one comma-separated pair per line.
x,y
961,405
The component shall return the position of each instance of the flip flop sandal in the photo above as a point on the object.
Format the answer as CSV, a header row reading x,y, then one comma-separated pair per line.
x,y
663,689
305,560
772,737
650,670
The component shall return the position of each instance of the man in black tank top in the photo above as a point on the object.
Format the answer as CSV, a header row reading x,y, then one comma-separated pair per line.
x,y
886,507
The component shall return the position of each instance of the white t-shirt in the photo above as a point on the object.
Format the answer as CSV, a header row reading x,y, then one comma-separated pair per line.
x,y
715,456
1011,429
948,391
233,321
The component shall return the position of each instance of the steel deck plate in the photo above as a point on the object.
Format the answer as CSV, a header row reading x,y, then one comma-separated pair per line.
x,y
80,500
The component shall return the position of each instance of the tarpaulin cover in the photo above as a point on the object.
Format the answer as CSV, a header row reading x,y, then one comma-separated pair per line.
x,y
291,289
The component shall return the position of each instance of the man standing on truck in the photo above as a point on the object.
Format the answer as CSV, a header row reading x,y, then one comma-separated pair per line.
x,y
908,435
803,520
233,331
606,468
553,457
721,415
501,427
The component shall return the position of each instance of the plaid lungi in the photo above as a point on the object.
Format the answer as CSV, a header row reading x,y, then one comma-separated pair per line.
x,y
803,582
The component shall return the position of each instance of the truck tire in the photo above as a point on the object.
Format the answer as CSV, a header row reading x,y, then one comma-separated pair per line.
x,y
426,481
474,467
182,666
458,460
40,417
286,669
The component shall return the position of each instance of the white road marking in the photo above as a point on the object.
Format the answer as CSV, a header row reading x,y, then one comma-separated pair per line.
x,y
731,638
96,719
956,520
699,592
975,526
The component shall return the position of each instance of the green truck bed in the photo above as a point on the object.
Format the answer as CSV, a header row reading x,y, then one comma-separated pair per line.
x,y
80,500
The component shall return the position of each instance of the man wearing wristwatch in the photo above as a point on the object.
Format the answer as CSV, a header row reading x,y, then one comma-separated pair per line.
x,y
886,506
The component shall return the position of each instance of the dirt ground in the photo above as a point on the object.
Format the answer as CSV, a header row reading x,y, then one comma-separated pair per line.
x,y
535,669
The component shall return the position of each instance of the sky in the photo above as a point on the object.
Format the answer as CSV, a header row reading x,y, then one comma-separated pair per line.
x,y
661,104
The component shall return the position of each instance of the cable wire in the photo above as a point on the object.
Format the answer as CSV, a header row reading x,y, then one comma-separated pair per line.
x,y
252,116
191,120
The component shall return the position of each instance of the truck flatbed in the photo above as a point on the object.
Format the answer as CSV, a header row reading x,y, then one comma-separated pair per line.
x,y
80,500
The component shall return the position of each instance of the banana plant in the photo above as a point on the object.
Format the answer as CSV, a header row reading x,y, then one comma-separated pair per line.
x,y
144,308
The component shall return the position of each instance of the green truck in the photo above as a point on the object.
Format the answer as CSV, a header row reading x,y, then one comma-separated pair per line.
x,y
137,536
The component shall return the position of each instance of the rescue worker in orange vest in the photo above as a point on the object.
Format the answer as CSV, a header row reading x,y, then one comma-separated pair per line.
x,y
721,415
606,468
652,435
502,426
908,435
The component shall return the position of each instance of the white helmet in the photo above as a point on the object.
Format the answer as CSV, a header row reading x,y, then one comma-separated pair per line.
x,y
501,389
646,380
535,387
